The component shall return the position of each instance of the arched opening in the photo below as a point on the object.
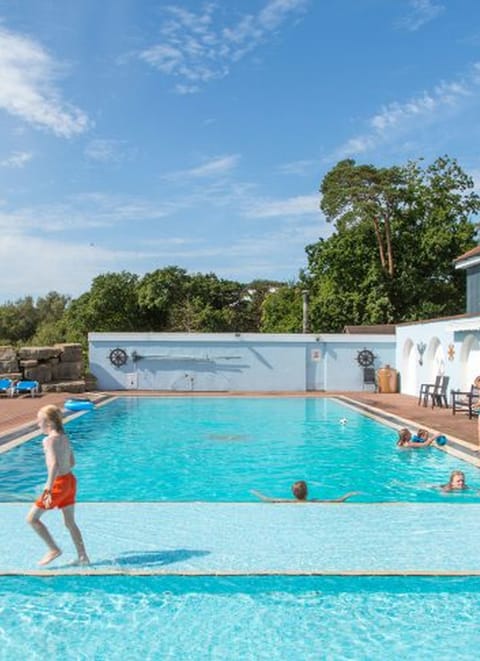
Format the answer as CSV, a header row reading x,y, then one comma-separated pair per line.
x,y
434,359
409,383
469,361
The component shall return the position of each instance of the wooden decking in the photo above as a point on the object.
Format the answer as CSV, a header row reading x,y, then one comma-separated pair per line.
x,y
439,419
18,412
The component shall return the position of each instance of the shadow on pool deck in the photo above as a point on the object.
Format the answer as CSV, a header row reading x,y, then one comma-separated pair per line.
x,y
20,412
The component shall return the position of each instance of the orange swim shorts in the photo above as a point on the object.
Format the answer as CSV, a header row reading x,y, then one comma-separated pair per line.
x,y
64,489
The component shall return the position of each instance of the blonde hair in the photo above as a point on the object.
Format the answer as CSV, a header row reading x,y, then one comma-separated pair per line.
x,y
454,474
53,415
404,436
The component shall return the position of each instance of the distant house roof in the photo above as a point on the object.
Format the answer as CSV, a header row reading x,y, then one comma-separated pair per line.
x,y
469,258
378,329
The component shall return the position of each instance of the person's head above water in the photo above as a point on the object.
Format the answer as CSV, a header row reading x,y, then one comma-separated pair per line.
x,y
457,480
404,436
300,490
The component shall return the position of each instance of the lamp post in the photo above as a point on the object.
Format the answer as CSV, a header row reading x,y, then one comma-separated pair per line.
x,y
305,310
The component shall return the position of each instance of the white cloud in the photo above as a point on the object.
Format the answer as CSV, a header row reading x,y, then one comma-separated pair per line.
x,y
278,254
27,88
69,264
196,51
293,206
17,159
105,151
64,267
422,12
70,267
86,211
300,168
397,118
218,166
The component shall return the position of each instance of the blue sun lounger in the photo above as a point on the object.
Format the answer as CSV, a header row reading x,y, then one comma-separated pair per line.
x,y
21,387
6,386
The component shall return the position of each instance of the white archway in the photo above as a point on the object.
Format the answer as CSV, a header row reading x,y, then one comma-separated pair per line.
x,y
409,384
469,361
434,358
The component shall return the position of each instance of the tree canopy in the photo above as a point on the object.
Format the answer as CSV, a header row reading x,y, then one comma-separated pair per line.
x,y
397,233
165,300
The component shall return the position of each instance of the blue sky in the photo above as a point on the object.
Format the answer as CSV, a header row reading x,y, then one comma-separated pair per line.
x,y
137,134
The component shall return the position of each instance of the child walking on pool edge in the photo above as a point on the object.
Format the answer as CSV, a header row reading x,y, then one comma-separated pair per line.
x,y
60,488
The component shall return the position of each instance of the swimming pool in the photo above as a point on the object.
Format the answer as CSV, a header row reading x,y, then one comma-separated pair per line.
x,y
214,449
234,618
218,449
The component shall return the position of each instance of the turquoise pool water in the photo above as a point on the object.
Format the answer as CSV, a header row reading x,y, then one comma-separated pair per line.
x,y
218,449
240,618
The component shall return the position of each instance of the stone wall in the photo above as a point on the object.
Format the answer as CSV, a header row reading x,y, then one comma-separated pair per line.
x,y
58,368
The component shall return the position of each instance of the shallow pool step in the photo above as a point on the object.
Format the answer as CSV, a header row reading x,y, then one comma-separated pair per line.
x,y
253,538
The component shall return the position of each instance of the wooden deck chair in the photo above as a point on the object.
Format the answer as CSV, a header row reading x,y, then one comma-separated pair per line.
x,y
426,389
467,401
439,395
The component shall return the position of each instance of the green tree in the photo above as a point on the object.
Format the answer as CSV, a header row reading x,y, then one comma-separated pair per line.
x,y
282,310
356,194
110,305
158,293
18,320
50,327
249,310
51,307
397,232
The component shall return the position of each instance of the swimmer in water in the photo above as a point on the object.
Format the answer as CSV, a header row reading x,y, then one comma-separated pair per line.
x,y
300,493
406,440
455,483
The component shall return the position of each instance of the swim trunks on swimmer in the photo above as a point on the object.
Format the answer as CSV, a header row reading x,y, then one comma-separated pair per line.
x,y
64,489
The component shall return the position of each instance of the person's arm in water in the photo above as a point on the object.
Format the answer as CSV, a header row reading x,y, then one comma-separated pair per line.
x,y
267,499
429,440
341,499
415,446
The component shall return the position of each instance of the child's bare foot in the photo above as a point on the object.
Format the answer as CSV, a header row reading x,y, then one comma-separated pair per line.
x,y
49,557
82,561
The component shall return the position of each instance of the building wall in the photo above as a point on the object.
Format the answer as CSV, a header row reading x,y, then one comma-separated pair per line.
x,y
473,289
234,362
426,349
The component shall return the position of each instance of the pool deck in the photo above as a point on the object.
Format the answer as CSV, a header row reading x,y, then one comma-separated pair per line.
x,y
20,412
256,538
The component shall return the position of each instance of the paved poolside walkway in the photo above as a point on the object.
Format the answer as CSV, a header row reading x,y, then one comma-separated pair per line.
x,y
253,538
21,411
